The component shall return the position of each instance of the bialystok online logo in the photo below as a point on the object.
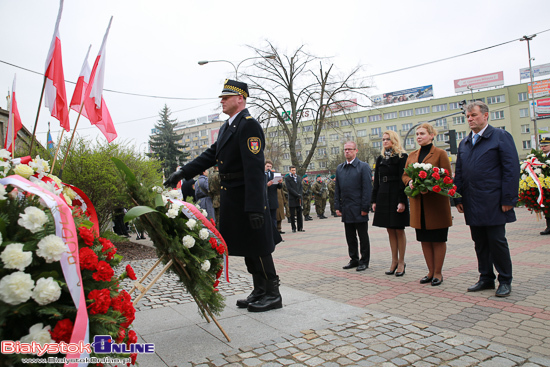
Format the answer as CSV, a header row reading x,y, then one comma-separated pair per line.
x,y
102,344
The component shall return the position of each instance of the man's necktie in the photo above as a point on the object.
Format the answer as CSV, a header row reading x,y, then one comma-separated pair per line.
x,y
476,137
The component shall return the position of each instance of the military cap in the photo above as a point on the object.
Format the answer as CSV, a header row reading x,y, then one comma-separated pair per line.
x,y
234,88
304,176
544,141
332,176
319,175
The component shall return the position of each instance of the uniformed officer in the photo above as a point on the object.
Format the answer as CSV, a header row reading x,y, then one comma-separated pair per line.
x,y
331,185
320,191
306,195
214,187
245,222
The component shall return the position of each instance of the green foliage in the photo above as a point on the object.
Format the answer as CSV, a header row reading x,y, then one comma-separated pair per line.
x,y
165,146
89,167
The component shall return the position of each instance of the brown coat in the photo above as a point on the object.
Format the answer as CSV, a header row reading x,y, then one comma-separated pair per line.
x,y
437,208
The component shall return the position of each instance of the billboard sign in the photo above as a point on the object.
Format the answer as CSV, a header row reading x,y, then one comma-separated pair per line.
x,y
212,117
479,82
350,105
543,108
539,70
541,88
404,95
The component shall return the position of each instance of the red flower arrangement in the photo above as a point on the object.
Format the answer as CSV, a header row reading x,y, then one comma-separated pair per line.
x,y
427,178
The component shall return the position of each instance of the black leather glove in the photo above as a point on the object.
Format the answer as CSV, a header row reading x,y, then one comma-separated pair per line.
x,y
256,220
174,178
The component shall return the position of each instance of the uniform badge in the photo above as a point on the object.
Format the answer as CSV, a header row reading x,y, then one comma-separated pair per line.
x,y
254,145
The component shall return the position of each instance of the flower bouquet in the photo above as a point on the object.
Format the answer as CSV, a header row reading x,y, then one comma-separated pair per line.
x,y
534,184
57,282
181,234
427,178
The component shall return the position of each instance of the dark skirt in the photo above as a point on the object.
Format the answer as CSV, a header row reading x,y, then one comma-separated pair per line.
x,y
429,235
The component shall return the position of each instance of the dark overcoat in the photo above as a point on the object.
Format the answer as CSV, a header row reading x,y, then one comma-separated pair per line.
x,y
487,177
353,190
272,191
294,191
239,153
388,192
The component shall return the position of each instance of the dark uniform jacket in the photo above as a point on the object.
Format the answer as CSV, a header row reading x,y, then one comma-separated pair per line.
x,y
353,191
294,190
239,153
272,191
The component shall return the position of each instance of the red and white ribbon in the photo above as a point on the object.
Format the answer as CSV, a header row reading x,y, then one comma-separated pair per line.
x,y
70,263
529,167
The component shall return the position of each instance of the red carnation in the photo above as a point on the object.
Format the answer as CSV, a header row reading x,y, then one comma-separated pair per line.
x,y
447,180
452,192
219,273
213,242
87,235
436,175
102,301
436,188
436,169
77,202
62,331
454,187
120,336
130,272
88,258
133,358
108,247
132,337
104,272
422,174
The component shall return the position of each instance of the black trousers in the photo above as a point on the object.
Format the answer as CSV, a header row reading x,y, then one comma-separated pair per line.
x,y
492,250
273,213
296,215
262,266
352,231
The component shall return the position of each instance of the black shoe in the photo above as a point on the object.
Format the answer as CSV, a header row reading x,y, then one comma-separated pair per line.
x,y
481,285
301,230
545,232
281,232
401,273
257,293
307,219
323,216
293,231
391,272
362,267
503,290
271,300
289,221
350,265
426,279
437,281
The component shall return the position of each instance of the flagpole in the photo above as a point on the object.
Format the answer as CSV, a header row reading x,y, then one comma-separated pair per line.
x,y
71,141
57,150
37,114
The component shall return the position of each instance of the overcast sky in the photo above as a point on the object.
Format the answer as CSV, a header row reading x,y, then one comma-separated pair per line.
x,y
154,46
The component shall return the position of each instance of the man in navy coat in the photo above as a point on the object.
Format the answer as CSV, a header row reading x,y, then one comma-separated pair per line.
x,y
487,177
352,195
245,221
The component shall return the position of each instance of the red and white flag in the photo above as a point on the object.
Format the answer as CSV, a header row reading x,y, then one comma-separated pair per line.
x,y
55,95
14,122
105,125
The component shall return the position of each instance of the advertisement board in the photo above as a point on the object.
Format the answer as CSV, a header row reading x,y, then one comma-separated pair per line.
x,y
479,82
347,105
539,70
541,88
542,108
404,95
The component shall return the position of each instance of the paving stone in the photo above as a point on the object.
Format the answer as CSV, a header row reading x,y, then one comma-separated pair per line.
x,y
497,362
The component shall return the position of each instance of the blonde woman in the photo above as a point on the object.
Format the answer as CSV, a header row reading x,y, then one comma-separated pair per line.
x,y
430,212
389,202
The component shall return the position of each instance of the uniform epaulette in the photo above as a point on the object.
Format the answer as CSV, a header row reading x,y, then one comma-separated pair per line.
x,y
249,117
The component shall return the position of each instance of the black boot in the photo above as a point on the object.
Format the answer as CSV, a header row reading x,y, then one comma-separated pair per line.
x,y
271,300
257,293
547,230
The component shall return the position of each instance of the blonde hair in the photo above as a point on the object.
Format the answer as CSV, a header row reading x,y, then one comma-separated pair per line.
x,y
396,148
429,128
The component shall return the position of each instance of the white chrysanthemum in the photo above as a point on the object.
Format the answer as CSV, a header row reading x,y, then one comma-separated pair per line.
x,y
204,212
530,156
197,206
191,223
522,166
203,234
23,170
164,200
416,165
46,291
51,248
16,288
442,171
50,185
428,165
38,333
33,219
67,191
173,194
14,257
4,168
524,176
5,154
2,192
188,241
172,213
205,265
39,165
538,171
157,189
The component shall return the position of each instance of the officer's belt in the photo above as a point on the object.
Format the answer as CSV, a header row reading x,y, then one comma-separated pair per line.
x,y
231,176
389,178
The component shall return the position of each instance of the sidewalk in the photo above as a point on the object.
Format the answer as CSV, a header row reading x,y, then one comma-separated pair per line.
x,y
335,317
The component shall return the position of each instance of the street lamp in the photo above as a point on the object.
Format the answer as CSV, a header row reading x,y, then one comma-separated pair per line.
x,y
271,57
529,38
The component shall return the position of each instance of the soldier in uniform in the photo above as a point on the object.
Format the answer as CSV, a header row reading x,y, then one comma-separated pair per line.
x,y
306,195
320,191
285,193
214,192
331,185
245,222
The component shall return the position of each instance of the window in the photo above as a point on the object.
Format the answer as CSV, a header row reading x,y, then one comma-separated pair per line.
x,y
410,141
460,135
422,110
454,105
333,137
500,127
525,128
376,131
335,150
272,134
321,139
321,152
441,122
406,113
309,140
390,115
307,153
322,164
299,154
332,124
204,132
522,96
284,144
374,118
361,133
377,144
392,128
495,99
345,122
407,126
524,112
440,137
360,120
308,128
439,107
497,115
459,120
286,156
348,136
526,144
311,166
286,168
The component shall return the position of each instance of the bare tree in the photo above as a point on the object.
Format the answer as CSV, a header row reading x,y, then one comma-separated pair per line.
x,y
290,84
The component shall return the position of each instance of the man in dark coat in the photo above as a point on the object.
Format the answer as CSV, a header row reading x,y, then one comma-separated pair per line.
x,y
293,184
272,188
245,222
487,176
352,196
